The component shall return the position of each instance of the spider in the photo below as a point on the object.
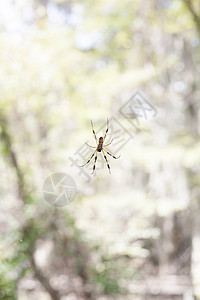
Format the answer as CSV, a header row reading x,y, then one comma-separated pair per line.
x,y
99,148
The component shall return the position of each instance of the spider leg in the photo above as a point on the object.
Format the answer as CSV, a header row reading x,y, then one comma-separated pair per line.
x,y
89,159
89,145
106,161
111,154
106,130
94,163
108,144
94,132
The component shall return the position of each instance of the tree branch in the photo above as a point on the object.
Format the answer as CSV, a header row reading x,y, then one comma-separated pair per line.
x,y
194,14
43,280
6,139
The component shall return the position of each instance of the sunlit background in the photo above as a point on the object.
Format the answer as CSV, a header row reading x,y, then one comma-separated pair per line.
x,y
131,234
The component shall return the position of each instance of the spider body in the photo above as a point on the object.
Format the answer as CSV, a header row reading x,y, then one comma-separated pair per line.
x,y
100,148
100,145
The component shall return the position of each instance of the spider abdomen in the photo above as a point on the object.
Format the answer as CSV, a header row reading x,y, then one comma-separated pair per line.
x,y
99,147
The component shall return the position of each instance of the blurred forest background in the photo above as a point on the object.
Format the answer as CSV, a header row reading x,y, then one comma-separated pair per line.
x,y
134,234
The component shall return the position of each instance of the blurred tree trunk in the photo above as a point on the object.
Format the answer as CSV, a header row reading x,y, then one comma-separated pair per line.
x,y
193,116
23,194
